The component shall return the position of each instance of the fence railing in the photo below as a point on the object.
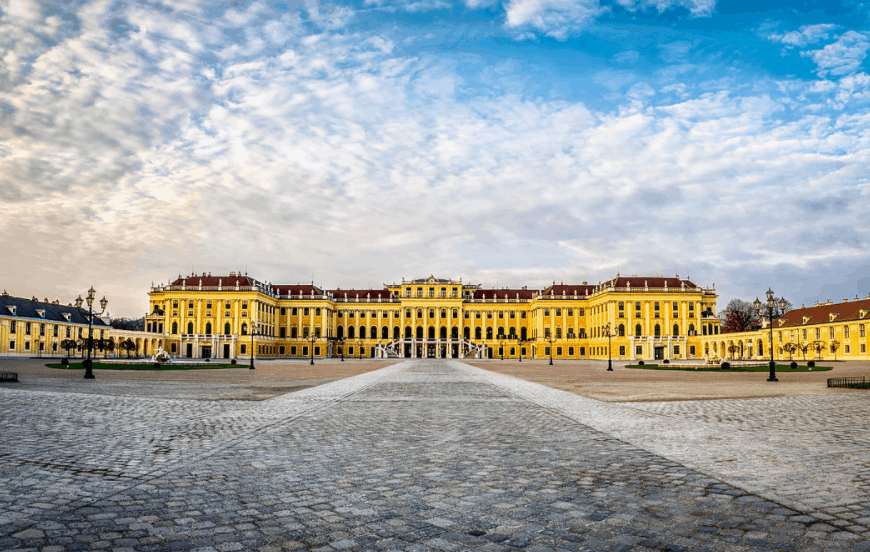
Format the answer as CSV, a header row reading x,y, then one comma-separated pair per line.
x,y
8,376
853,383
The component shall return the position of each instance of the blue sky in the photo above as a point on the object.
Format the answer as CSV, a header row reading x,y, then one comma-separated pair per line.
x,y
505,142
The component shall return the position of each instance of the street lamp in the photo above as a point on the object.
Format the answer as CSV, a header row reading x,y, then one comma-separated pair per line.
x,y
255,330
769,311
501,339
361,345
549,338
608,330
520,342
312,339
90,314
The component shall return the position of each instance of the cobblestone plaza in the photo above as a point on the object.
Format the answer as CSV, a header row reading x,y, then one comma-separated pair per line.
x,y
430,455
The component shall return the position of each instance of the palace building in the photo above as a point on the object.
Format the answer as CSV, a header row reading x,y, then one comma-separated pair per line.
x,y
629,317
30,327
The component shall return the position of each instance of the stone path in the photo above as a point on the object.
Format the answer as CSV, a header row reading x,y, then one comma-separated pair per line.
x,y
431,455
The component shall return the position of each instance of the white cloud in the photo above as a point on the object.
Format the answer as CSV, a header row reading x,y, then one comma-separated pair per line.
x,y
808,34
842,57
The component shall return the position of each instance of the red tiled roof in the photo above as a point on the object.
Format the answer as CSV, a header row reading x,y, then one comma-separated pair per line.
x,y
213,281
821,314
297,289
570,289
361,293
653,282
501,293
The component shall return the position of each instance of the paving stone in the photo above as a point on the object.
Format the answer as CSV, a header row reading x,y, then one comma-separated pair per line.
x,y
431,455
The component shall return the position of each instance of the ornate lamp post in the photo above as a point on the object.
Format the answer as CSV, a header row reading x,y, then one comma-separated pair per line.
x,y
769,311
90,314
361,345
501,339
608,331
550,340
520,342
312,339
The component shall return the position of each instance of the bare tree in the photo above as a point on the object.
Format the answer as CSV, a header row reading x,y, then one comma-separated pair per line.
x,y
790,348
817,346
834,346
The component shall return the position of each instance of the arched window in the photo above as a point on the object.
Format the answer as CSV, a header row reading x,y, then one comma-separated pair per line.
x,y
489,333
676,330
408,332
637,330
294,332
454,333
227,328
339,332
362,332
385,332
691,329
244,329
419,332
466,332
419,313
658,331
351,333
443,332
396,332
208,328
512,333
621,330
431,332
477,332
174,328
500,331
190,327
373,332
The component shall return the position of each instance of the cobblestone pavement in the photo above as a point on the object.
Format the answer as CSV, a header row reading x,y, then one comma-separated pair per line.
x,y
427,455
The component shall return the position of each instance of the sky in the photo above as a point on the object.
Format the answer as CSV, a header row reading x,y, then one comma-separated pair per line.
x,y
504,142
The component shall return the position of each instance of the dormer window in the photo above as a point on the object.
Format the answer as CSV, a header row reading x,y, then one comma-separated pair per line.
x,y
65,315
12,310
833,316
40,313
806,319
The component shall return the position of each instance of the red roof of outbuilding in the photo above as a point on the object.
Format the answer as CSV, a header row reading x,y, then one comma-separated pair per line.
x,y
821,314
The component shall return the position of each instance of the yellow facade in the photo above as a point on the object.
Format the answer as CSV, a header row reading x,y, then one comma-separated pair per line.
x,y
826,331
34,328
213,316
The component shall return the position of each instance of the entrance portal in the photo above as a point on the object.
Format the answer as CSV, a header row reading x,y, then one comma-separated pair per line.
x,y
659,353
189,350
206,351
226,350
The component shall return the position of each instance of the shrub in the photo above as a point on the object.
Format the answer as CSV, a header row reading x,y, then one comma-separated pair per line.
x,y
726,365
793,365
666,361
811,363
233,361
640,363
64,362
208,360
157,366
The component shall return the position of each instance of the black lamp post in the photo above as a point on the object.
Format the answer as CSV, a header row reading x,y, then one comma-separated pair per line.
x,y
361,345
769,311
549,339
90,314
501,345
255,330
312,339
520,342
608,330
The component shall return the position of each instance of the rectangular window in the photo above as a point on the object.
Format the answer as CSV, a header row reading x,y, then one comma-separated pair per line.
x,y
305,311
558,333
638,350
546,332
831,333
292,351
317,351
547,351
466,315
26,345
860,330
350,314
27,328
295,311
847,349
846,332
208,304
558,351
622,350
570,311
863,348
175,303
804,332
317,311
570,351
582,351
282,333
12,327
304,351
55,330
350,351
547,312
523,315
283,311
676,349
11,345
558,312
477,315
501,314
190,304
489,314
818,333
692,350
281,350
